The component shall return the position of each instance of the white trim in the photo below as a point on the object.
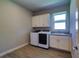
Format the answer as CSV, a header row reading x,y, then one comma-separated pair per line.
x,y
58,13
13,49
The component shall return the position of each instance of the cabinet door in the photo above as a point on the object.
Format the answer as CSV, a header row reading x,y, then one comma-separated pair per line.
x,y
44,20
53,42
35,21
60,42
41,21
69,44
64,43
34,39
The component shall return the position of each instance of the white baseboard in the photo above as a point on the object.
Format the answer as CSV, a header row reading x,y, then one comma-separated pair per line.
x,y
13,49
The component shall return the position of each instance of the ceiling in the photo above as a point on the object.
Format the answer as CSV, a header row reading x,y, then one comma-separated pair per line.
x,y
38,4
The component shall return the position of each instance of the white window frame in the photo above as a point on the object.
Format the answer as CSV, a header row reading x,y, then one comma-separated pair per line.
x,y
59,30
76,20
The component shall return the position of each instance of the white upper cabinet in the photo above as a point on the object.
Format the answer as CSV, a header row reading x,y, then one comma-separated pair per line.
x,y
41,20
35,21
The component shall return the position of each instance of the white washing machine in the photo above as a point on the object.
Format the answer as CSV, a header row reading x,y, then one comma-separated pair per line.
x,y
34,38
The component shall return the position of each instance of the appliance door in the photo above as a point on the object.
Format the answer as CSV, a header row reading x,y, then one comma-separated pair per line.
x,y
43,40
34,39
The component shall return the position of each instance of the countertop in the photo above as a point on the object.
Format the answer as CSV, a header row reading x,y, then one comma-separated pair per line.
x,y
60,34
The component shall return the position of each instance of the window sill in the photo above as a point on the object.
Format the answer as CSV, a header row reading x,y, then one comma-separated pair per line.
x,y
60,34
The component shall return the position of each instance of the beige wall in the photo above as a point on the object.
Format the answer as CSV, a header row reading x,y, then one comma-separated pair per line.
x,y
15,25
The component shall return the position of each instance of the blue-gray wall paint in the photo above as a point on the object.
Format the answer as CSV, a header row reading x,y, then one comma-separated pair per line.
x,y
73,21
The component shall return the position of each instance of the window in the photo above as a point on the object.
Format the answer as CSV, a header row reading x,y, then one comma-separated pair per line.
x,y
59,21
76,20
60,17
59,25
